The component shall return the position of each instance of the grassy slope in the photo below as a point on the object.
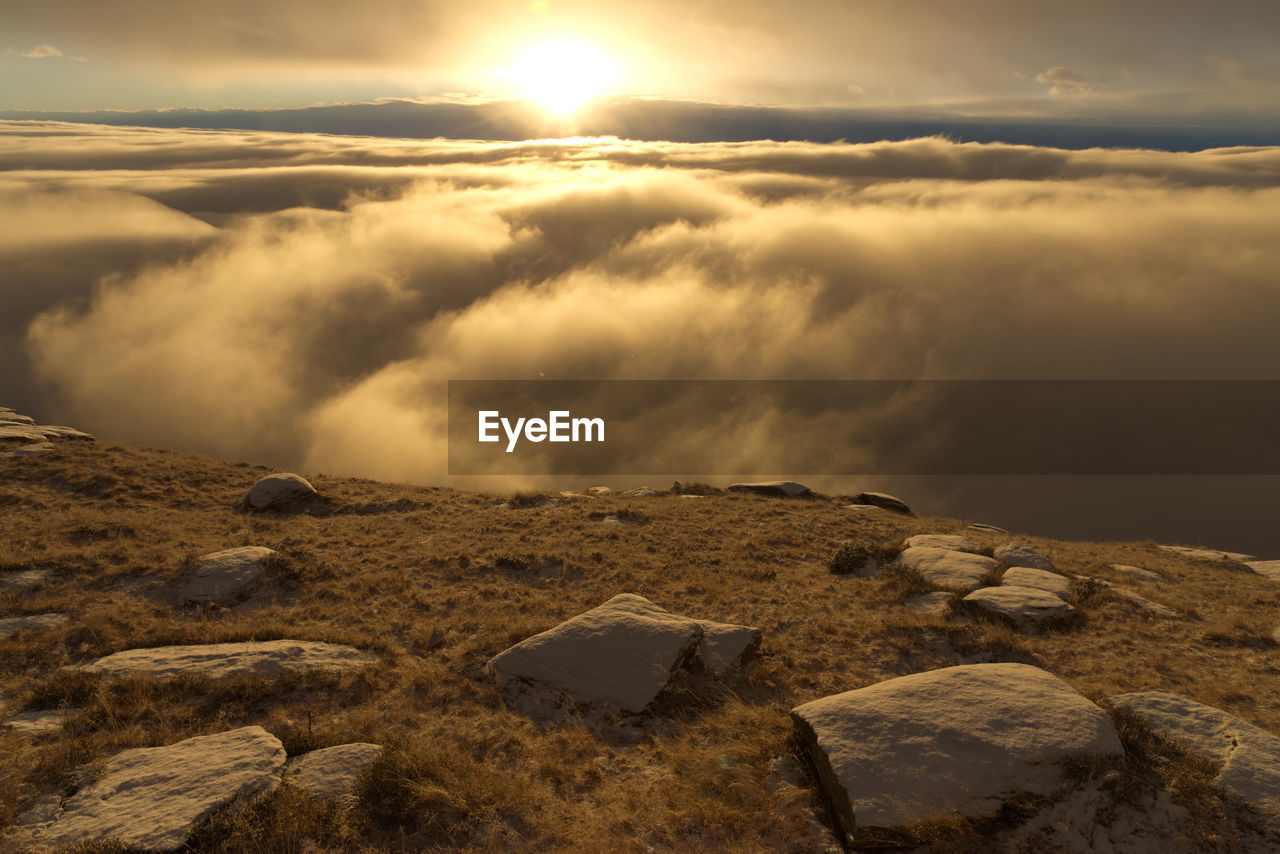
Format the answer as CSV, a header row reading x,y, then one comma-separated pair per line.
x,y
437,581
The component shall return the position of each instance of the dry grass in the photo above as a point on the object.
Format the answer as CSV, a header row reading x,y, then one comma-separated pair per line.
x,y
437,581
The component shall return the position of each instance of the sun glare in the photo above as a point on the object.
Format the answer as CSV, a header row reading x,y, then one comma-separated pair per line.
x,y
561,75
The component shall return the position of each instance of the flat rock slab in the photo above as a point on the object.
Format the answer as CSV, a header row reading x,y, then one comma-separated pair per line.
x,y
640,492
23,578
11,625
227,576
257,658
782,488
959,571
935,604
861,508
149,797
1144,604
1023,605
991,529
9,416
724,645
39,721
1020,554
942,541
331,772
616,657
883,501
277,491
917,748
1209,554
1038,579
1266,568
1250,756
1139,574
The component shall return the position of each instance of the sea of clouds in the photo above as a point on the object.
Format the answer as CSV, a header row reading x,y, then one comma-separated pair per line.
x,y
301,300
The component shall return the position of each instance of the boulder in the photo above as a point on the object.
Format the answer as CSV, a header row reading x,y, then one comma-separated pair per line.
x,y
724,645
883,501
615,657
1038,579
331,772
1138,573
953,570
11,625
1249,756
1025,606
257,658
961,739
1209,554
780,488
1018,554
1266,568
598,490
149,797
227,576
942,541
278,491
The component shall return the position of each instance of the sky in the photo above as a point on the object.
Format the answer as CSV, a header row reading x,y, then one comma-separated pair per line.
x,y
274,231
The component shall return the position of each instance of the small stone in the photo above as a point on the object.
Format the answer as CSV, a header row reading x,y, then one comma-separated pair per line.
x,y
227,576
331,772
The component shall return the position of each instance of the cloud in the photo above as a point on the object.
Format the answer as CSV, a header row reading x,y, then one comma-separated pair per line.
x,y
42,51
316,322
1064,81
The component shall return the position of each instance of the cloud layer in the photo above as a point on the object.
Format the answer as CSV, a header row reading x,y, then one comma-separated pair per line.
x,y
303,300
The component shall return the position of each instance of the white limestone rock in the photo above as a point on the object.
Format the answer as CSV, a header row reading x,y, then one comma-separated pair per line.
x,y
218,660
1025,606
149,797
1019,554
942,541
1038,579
1138,573
1209,554
960,739
227,576
12,625
883,501
278,491
615,657
952,570
724,645
331,772
1250,756
782,488
1265,568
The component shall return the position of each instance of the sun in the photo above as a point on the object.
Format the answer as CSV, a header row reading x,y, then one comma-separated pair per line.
x,y
561,75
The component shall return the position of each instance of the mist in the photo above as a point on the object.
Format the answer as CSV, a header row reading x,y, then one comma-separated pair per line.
x,y
302,300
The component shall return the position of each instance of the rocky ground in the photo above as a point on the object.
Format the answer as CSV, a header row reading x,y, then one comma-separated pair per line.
x,y
208,656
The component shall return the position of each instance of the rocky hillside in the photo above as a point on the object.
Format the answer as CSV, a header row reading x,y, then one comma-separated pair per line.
x,y
209,656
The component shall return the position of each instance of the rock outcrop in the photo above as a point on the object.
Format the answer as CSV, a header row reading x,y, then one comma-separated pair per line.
x,y
1024,606
883,501
256,658
225,577
779,488
947,568
331,772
